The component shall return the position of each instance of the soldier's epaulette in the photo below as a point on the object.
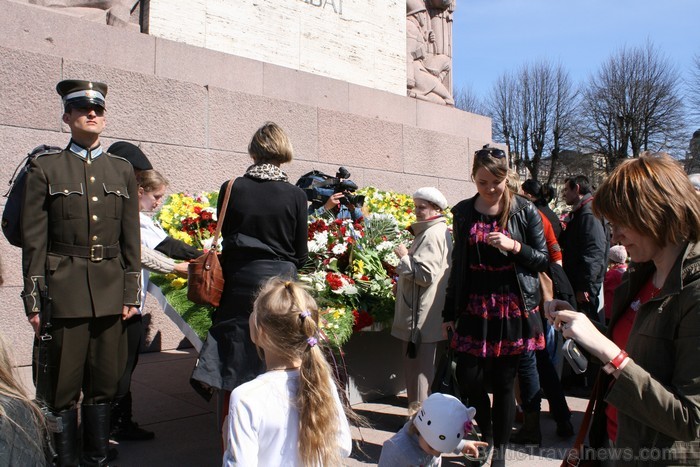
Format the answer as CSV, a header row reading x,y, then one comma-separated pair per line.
x,y
116,157
45,150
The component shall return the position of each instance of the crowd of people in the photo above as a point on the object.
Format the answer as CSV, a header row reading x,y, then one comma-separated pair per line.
x,y
501,284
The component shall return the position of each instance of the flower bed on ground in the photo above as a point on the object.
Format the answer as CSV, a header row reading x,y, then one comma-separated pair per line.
x,y
351,264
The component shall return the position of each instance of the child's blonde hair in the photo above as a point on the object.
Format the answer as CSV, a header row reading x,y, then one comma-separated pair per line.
x,y
32,429
151,180
289,317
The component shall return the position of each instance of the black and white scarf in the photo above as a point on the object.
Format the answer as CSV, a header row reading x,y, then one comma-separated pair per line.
x,y
266,172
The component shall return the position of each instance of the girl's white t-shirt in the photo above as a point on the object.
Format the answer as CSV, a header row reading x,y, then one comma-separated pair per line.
x,y
262,428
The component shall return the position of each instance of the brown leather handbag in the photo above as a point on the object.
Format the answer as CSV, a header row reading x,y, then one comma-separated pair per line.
x,y
205,278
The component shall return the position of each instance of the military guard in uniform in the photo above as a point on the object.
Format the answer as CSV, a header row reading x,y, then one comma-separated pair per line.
x,y
81,251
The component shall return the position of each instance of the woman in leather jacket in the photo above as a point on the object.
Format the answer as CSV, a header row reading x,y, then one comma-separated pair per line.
x,y
493,294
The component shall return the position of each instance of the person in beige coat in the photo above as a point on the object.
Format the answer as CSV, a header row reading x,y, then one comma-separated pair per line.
x,y
423,271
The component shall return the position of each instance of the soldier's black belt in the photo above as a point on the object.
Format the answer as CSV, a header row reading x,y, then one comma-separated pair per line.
x,y
95,253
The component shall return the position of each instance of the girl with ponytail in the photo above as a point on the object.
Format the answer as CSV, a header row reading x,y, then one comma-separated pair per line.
x,y
291,414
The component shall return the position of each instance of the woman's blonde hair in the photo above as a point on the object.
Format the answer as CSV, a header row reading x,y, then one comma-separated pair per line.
x,y
494,161
288,315
151,180
34,428
270,145
653,196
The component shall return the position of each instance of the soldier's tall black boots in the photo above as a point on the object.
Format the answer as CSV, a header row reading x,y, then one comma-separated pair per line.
x,y
95,419
67,440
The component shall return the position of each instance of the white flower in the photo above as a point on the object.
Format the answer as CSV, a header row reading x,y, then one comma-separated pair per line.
x,y
316,247
321,237
339,249
391,259
348,289
385,246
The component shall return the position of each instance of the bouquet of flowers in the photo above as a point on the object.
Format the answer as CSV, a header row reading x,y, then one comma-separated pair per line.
x,y
350,269
190,218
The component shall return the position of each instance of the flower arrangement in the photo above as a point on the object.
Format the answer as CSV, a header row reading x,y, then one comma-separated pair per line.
x,y
351,265
397,205
350,269
190,218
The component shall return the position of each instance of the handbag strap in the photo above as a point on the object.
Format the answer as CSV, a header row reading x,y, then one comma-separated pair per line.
x,y
414,305
222,215
587,417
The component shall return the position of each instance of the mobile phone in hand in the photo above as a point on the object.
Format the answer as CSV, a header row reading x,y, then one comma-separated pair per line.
x,y
578,362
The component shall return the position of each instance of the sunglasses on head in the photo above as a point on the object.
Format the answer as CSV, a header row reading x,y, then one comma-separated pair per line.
x,y
493,152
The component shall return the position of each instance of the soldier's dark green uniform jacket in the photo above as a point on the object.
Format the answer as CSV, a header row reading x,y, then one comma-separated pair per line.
x,y
80,227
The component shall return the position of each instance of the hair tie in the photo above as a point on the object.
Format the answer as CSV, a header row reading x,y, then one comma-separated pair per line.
x,y
312,341
304,314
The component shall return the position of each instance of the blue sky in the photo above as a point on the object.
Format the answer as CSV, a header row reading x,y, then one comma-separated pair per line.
x,y
493,36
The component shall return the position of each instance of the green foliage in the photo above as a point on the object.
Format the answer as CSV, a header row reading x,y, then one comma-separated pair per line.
x,y
198,317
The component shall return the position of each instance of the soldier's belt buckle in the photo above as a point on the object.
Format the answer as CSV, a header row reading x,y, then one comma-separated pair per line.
x,y
96,253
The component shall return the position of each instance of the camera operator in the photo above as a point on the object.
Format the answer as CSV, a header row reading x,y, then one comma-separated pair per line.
x,y
332,196
338,205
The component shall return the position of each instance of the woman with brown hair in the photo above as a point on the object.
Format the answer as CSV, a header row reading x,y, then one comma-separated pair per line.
x,y
649,405
493,294
264,235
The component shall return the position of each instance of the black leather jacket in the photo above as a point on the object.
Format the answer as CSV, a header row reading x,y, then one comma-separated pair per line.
x,y
525,226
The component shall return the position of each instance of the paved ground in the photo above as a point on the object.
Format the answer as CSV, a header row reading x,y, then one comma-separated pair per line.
x,y
187,434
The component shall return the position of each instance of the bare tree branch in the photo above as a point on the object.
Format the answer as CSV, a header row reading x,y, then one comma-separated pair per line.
x,y
631,105
465,99
534,113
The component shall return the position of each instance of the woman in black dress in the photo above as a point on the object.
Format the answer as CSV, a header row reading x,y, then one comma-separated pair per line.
x,y
264,234
493,294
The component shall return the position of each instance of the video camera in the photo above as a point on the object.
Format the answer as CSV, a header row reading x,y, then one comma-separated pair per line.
x,y
319,187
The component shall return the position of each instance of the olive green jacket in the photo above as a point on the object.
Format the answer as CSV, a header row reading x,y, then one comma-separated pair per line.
x,y
657,394
73,201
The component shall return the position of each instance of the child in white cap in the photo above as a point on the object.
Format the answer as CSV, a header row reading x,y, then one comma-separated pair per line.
x,y
440,426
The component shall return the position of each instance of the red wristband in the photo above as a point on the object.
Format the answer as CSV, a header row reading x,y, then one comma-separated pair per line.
x,y
614,364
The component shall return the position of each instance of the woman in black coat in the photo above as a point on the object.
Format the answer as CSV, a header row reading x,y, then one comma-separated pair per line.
x,y
264,234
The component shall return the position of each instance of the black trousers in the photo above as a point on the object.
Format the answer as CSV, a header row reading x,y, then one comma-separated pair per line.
x,y
134,336
84,354
475,375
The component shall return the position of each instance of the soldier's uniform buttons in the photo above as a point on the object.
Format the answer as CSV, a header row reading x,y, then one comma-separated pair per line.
x,y
92,179
94,198
89,161
94,237
94,217
65,191
119,192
